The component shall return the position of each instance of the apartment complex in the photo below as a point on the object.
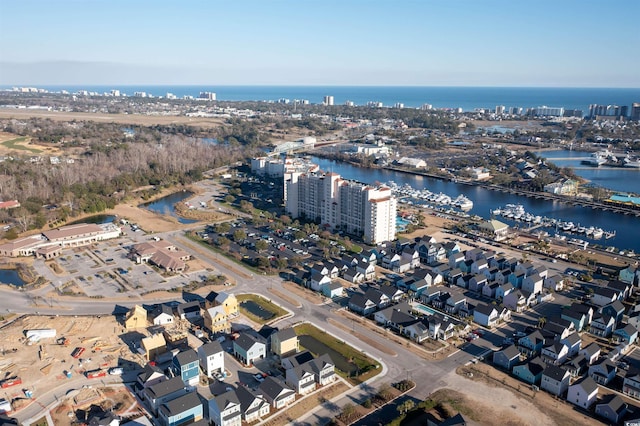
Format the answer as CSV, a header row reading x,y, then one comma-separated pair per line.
x,y
340,204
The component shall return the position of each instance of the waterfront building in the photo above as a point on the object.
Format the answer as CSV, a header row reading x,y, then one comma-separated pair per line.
x,y
635,111
350,206
545,111
207,96
328,100
277,167
500,109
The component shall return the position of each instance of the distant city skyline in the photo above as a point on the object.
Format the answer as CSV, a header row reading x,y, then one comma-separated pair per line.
x,y
403,43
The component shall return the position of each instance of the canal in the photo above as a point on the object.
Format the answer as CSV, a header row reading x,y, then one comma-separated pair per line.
x,y
627,227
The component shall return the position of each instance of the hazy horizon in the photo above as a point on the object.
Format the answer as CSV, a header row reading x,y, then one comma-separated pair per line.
x,y
490,43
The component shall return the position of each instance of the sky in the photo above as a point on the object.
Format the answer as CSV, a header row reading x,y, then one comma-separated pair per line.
x,y
543,43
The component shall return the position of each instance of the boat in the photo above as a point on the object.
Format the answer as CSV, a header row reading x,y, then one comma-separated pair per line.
x,y
598,233
632,164
596,159
462,202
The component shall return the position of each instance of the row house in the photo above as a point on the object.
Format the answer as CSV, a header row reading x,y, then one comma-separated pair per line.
x,y
507,358
490,315
519,300
531,344
489,290
555,380
615,310
226,409
603,372
554,283
583,393
602,325
531,371
603,296
626,334
253,406
630,275
591,353
611,408
395,317
555,353
631,384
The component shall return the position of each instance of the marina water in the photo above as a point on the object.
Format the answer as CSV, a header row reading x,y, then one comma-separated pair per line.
x,y
627,227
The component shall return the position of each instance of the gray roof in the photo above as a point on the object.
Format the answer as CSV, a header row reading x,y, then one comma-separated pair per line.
x,y
510,352
211,348
485,309
246,341
588,384
615,403
246,397
148,371
166,387
591,350
229,397
286,334
555,372
273,387
186,357
181,404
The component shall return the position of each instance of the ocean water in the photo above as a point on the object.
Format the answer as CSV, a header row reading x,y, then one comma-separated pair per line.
x,y
467,98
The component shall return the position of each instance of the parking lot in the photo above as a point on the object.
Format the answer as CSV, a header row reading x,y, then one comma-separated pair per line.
x,y
104,270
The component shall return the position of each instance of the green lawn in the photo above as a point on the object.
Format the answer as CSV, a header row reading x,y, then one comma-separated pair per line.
x,y
13,144
367,366
264,303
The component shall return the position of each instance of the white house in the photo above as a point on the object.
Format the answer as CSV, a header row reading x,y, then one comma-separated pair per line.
x,y
211,358
583,393
486,315
224,409
555,380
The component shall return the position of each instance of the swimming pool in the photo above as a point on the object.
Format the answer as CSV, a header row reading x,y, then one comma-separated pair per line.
x,y
424,309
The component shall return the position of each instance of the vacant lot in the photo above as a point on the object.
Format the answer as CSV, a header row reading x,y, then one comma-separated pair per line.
x,y
143,120
561,412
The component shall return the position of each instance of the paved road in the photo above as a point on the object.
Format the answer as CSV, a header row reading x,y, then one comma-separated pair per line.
x,y
428,375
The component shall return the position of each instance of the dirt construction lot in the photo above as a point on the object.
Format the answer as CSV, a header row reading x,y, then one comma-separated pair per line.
x,y
559,411
42,365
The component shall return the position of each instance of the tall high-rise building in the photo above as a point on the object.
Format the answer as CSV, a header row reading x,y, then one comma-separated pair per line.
x,y
342,205
635,111
207,96
328,100
500,109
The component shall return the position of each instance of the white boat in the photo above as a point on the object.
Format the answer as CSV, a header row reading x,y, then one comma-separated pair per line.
x,y
632,164
596,159
463,203
597,233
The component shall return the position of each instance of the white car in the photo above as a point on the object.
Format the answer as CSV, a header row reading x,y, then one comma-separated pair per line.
x,y
116,371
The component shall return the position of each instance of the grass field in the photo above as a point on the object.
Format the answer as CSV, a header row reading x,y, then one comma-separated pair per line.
x,y
18,143
366,366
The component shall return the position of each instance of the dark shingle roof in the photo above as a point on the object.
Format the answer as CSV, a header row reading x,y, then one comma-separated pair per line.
x,y
212,348
186,357
166,387
181,404
554,372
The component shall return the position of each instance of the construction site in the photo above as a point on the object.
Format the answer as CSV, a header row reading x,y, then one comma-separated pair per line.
x,y
42,355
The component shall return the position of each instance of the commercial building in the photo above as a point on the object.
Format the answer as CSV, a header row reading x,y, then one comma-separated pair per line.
x,y
340,204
